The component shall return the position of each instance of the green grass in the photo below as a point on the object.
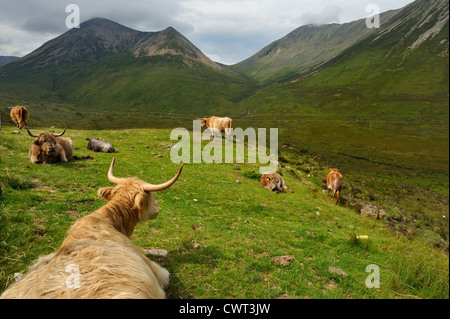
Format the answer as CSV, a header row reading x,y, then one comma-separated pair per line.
x,y
222,236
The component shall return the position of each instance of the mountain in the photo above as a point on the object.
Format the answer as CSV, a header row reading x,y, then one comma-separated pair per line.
x,y
109,67
306,47
7,59
99,36
105,66
401,68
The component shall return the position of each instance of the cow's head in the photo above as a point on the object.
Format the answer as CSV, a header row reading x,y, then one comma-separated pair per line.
x,y
273,182
46,142
205,121
136,193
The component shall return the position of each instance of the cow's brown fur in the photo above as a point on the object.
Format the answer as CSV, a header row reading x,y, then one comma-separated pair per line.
x,y
19,114
220,124
274,182
99,245
48,148
334,183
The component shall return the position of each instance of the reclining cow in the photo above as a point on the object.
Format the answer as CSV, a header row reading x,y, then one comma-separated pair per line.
x,y
49,148
97,260
274,182
97,145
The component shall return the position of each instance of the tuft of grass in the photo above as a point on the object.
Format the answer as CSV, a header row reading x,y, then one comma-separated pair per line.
x,y
411,277
364,243
17,182
251,175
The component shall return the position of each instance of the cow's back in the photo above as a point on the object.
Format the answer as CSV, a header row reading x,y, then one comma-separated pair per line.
x,y
334,180
67,144
220,123
19,114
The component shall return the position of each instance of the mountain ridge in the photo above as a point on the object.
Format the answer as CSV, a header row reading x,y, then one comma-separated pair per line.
x,y
303,48
106,65
99,35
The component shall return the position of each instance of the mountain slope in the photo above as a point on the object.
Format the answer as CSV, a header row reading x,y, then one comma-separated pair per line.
x,y
107,66
99,36
7,59
306,47
401,69
379,112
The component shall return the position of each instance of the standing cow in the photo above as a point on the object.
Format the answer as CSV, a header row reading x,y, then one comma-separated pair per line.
x,y
19,114
50,148
274,182
218,124
334,183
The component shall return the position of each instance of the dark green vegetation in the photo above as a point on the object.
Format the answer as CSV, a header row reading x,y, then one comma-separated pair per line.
x,y
223,237
376,108
379,112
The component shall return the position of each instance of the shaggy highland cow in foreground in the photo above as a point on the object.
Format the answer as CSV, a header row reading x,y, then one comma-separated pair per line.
x,y
97,260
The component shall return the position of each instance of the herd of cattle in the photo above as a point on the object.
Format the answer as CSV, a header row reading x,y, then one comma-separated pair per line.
x,y
98,247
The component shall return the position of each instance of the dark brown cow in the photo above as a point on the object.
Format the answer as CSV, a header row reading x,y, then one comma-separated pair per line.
x,y
274,182
50,148
334,183
20,116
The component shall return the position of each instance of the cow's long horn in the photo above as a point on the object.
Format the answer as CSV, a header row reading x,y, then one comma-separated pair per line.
x,y
29,133
111,177
153,188
147,187
57,135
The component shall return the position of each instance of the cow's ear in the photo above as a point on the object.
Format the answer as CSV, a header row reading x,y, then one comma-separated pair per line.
x,y
141,202
105,192
268,179
36,141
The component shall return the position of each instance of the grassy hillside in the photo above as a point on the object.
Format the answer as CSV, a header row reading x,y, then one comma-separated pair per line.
x,y
304,48
122,83
379,112
222,236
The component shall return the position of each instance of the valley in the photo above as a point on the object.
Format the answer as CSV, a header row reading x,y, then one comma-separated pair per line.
x,y
374,103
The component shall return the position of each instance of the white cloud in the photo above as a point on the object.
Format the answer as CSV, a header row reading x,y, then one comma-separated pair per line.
x,y
326,15
228,31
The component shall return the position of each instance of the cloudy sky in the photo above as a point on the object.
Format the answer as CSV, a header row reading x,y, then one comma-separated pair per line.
x,y
227,31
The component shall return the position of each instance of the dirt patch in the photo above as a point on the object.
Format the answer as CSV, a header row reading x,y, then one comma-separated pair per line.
x,y
284,260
